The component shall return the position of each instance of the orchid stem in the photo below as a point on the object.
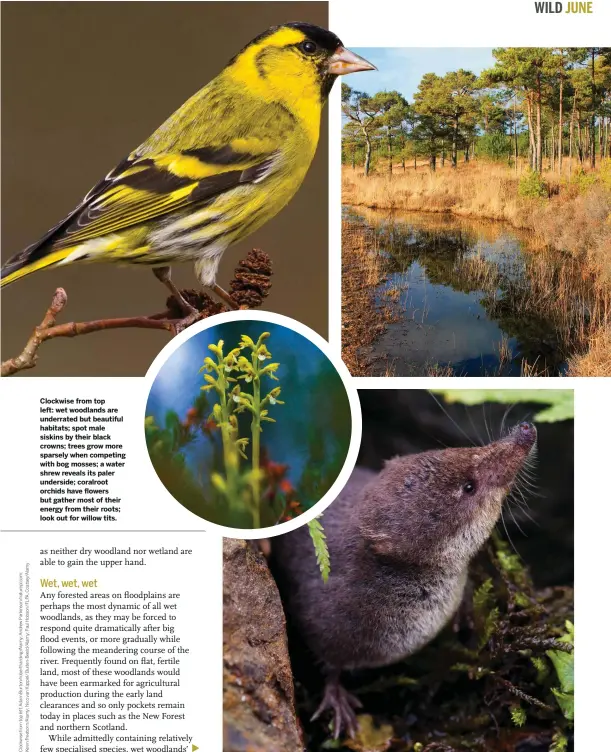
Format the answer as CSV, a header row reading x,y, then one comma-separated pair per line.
x,y
256,442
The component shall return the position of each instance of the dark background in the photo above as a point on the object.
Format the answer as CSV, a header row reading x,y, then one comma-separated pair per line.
x,y
82,85
411,420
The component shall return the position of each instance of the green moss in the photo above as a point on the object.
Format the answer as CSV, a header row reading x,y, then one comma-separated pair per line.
x,y
518,715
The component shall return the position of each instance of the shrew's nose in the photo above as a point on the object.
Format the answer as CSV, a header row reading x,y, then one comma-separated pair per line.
x,y
525,433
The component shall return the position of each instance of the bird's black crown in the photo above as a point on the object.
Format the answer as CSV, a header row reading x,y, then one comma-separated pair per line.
x,y
323,38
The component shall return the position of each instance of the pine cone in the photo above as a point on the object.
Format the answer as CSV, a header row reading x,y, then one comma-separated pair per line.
x,y
251,281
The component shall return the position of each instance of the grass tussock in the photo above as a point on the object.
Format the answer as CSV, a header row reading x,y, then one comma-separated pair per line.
x,y
438,371
570,216
596,361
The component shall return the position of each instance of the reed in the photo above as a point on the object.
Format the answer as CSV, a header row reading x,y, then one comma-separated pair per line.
x,y
505,353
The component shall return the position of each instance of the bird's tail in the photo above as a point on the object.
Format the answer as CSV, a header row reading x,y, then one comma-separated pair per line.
x,y
26,262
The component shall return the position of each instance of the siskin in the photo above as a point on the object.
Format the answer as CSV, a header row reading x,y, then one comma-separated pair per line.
x,y
218,168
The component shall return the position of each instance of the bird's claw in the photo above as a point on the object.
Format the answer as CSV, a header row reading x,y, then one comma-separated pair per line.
x,y
342,704
180,325
186,308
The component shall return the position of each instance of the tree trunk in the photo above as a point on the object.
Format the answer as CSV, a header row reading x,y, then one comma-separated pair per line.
x,y
515,131
571,137
455,143
367,152
586,139
389,143
593,119
531,131
433,162
443,152
539,158
415,165
560,124
552,147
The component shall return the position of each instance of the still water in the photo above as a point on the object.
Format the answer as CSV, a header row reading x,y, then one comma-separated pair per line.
x,y
470,296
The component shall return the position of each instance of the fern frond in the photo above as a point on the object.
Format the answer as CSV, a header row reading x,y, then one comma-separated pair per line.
x,y
319,539
490,623
483,598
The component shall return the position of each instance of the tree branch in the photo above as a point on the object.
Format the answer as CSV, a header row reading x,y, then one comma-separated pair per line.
x,y
249,287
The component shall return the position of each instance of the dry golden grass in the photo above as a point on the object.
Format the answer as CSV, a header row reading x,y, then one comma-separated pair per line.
x,y
479,271
396,289
580,225
505,353
532,369
597,360
568,295
470,191
362,320
437,370
389,369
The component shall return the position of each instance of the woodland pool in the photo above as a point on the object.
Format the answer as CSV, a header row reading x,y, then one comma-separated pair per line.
x,y
470,298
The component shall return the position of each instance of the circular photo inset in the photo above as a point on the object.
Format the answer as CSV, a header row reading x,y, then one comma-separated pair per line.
x,y
249,423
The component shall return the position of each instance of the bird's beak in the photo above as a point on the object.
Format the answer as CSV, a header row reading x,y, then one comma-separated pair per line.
x,y
344,61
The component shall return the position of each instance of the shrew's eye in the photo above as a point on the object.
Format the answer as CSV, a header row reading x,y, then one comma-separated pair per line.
x,y
469,487
308,47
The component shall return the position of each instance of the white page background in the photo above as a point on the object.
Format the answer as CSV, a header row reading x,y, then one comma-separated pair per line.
x,y
148,506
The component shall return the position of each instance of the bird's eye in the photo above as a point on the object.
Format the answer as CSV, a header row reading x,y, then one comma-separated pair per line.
x,y
308,47
469,487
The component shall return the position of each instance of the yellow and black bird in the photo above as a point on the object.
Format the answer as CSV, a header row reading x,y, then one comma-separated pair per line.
x,y
218,168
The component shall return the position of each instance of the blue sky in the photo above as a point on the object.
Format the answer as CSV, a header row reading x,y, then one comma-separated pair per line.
x,y
401,68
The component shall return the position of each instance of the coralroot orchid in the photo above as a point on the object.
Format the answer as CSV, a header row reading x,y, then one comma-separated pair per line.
x,y
233,399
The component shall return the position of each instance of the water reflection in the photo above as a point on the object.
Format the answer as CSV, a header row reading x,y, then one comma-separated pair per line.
x,y
473,296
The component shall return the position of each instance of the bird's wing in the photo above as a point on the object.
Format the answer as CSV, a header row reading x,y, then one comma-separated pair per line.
x,y
145,188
